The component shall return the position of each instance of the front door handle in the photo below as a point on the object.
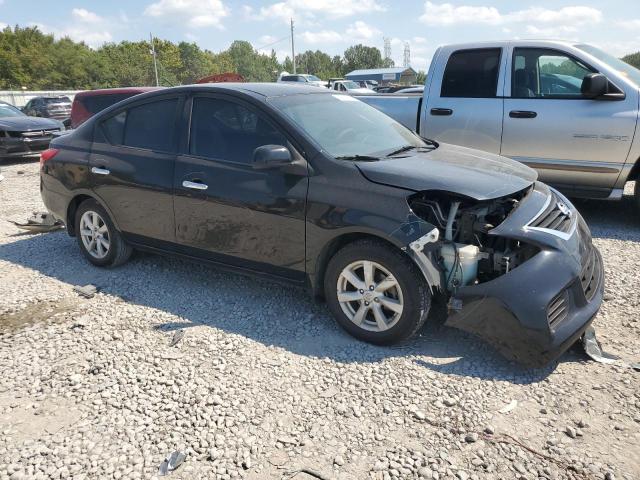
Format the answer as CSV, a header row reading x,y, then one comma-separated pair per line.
x,y
100,171
441,112
194,185
522,114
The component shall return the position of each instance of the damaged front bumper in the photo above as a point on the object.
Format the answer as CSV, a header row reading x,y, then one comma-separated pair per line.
x,y
535,312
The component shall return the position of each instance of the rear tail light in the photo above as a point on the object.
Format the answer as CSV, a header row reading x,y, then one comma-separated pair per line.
x,y
47,155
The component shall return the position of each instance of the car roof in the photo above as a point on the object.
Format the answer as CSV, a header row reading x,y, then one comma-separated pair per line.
x,y
260,89
115,91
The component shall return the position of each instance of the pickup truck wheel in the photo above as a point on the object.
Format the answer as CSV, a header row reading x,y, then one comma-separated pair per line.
x,y
99,240
636,194
376,293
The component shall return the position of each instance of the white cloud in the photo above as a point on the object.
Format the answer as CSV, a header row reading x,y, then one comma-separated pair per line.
x,y
86,27
2,25
84,15
309,9
542,20
419,40
196,13
361,31
321,37
633,24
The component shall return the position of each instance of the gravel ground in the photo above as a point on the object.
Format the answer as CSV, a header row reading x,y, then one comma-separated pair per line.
x,y
264,384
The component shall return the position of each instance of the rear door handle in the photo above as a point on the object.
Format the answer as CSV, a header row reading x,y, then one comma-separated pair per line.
x,y
441,112
194,185
522,114
100,171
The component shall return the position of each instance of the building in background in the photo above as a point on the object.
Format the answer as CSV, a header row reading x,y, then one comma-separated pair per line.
x,y
385,76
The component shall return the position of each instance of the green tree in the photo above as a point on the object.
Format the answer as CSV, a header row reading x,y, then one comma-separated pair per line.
x,y
421,77
360,56
633,59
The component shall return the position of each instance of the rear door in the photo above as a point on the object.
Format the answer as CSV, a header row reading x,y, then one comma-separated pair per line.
x,y
132,164
226,210
577,144
464,102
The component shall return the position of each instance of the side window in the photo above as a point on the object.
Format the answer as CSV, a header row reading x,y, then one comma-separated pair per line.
x,y
151,126
543,73
225,130
113,128
472,74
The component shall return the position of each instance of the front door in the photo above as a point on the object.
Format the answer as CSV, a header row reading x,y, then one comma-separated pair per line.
x,y
464,104
225,209
131,164
573,142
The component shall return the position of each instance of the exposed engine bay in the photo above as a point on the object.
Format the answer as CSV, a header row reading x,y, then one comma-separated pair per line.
x,y
465,251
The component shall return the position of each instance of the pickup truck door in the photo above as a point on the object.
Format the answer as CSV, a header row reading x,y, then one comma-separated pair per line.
x,y
226,210
576,144
464,99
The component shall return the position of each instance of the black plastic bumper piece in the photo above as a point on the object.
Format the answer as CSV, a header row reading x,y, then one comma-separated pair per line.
x,y
517,313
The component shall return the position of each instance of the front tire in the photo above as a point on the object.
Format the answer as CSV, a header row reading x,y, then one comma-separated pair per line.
x,y
376,293
98,238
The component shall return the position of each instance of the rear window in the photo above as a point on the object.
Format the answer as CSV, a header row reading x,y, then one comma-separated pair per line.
x,y
472,74
96,103
150,126
292,78
57,100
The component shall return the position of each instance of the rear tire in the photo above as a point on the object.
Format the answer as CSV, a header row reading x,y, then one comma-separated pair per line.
x,y
636,194
376,293
99,240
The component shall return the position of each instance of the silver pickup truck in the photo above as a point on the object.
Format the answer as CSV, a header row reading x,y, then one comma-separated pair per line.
x,y
568,110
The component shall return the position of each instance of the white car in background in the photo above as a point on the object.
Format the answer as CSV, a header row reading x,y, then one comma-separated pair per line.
x,y
349,86
301,78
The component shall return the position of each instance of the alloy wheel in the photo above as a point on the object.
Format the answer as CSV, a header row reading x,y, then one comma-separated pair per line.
x,y
95,234
370,296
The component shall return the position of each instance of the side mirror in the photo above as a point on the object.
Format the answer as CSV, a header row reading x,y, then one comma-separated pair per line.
x,y
594,85
271,156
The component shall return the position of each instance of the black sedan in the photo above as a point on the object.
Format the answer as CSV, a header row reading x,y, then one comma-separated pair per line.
x,y
23,136
322,190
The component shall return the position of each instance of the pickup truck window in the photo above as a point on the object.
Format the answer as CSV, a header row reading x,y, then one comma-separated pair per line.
x,y
546,73
472,73
344,126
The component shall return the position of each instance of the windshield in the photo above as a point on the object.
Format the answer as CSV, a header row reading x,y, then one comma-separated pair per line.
x,y
313,78
346,127
624,68
350,85
9,111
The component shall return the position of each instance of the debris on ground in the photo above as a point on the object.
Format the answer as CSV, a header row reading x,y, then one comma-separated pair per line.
x,y
87,291
171,462
177,336
507,408
40,222
594,350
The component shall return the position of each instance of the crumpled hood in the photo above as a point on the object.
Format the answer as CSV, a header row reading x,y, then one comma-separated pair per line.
x,y
449,168
26,123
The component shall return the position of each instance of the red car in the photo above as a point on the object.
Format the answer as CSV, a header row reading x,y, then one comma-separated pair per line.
x,y
87,104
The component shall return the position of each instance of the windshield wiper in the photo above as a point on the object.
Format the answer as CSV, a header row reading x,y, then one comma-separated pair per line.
x,y
401,150
359,158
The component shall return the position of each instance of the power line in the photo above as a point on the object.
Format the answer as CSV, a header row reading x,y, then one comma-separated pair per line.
x,y
273,43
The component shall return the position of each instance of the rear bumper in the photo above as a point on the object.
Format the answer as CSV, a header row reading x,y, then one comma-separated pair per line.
x,y
534,313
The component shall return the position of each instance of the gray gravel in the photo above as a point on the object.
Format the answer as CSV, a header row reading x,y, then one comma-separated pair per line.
x,y
264,384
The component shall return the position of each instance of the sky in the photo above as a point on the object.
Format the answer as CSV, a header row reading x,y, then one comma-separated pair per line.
x,y
333,25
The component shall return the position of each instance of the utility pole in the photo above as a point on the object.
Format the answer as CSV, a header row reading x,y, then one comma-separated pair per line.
x,y
155,64
407,55
293,50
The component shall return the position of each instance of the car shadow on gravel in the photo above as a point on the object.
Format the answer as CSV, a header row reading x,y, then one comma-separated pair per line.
x,y
611,219
264,311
